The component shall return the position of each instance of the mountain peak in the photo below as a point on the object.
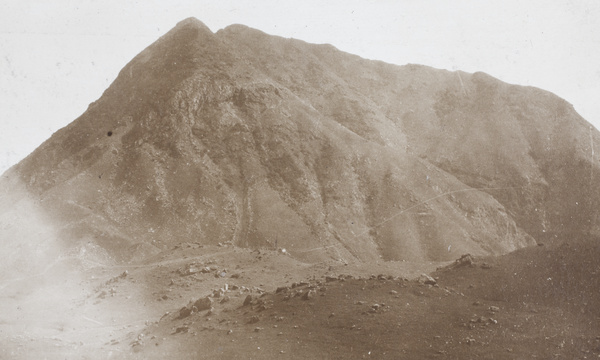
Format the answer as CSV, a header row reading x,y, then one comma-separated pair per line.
x,y
192,22
237,28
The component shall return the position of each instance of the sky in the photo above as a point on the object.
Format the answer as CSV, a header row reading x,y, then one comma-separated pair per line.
x,y
58,56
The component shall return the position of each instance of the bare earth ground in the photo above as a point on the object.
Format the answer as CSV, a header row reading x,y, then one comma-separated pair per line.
x,y
536,303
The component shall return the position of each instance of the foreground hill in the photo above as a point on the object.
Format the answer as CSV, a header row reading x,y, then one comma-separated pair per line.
x,y
208,302
242,137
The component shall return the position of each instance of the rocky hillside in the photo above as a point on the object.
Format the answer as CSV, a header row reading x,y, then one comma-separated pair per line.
x,y
242,137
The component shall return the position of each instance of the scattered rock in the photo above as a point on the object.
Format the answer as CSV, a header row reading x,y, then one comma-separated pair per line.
x,y
494,309
203,303
465,260
137,343
480,319
299,284
262,305
374,308
182,329
393,292
308,295
188,270
185,312
427,280
248,300
253,320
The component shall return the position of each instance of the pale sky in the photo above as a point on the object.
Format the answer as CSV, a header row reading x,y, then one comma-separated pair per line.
x,y
58,56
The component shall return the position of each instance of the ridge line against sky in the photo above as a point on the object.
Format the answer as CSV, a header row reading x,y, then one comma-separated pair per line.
x,y
57,57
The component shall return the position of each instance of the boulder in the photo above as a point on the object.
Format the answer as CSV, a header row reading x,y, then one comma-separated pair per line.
x,y
203,303
185,312
308,295
426,279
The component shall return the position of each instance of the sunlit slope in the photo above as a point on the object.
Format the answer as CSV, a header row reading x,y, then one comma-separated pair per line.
x,y
262,141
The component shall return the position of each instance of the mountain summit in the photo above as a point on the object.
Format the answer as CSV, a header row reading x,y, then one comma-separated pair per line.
x,y
238,136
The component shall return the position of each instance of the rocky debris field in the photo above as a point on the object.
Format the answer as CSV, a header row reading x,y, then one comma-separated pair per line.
x,y
225,302
354,317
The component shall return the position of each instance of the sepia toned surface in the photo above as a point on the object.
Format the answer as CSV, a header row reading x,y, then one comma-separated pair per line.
x,y
213,152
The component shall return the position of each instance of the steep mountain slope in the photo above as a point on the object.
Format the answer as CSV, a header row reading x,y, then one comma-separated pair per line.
x,y
268,142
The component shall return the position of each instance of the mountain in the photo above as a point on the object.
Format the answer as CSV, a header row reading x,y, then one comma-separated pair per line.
x,y
242,137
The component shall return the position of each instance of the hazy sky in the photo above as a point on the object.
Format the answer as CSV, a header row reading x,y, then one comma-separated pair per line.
x,y
58,56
